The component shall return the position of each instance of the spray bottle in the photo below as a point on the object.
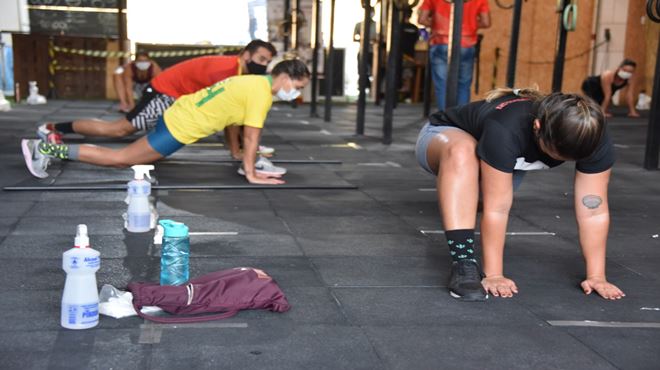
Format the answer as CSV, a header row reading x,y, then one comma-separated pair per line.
x,y
80,300
139,214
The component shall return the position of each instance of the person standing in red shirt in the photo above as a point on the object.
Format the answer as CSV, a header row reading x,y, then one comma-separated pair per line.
x,y
437,15
183,78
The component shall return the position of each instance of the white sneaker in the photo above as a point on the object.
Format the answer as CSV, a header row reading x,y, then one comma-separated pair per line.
x,y
36,162
265,150
47,133
264,167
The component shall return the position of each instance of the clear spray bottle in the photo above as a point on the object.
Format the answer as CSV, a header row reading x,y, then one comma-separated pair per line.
x,y
139,214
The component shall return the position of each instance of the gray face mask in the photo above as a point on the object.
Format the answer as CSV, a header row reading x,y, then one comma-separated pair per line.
x,y
143,66
624,74
288,95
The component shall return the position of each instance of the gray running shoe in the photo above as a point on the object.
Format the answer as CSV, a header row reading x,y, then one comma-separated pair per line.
x,y
265,167
36,162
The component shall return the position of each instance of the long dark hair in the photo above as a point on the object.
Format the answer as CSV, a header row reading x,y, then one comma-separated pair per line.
x,y
571,125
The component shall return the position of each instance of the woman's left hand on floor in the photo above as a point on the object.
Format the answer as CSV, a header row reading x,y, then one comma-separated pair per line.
x,y
602,287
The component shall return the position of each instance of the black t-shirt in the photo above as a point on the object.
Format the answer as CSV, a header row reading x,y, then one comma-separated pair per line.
x,y
409,36
504,131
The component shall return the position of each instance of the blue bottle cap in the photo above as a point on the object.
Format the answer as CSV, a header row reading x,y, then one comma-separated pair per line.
x,y
173,228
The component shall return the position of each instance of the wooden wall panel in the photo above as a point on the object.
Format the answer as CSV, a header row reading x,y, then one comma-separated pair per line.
x,y
81,77
536,48
30,62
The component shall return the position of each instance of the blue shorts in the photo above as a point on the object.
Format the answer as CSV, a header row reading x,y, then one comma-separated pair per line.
x,y
428,132
162,140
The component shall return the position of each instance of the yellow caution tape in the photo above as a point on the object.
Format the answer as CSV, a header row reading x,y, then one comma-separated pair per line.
x,y
155,54
79,69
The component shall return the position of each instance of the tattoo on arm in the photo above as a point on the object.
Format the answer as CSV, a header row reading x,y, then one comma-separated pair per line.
x,y
592,201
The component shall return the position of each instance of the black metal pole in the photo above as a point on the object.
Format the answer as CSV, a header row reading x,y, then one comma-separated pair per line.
x,y
513,45
329,66
558,71
287,26
393,43
454,55
653,132
379,51
365,40
428,82
315,58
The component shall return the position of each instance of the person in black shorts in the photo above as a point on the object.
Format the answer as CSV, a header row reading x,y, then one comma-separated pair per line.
x,y
601,88
486,146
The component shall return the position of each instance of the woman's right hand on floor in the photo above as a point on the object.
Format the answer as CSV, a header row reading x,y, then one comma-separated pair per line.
x,y
499,286
265,180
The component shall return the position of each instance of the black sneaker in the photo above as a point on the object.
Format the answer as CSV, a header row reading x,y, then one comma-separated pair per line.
x,y
465,281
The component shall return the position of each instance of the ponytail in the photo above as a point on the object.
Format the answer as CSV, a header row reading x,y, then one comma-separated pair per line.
x,y
526,92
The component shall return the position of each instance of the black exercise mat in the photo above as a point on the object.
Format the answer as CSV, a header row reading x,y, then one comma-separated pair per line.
x,y
174,175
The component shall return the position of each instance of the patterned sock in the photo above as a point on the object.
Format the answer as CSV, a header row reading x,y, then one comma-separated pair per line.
x,y
64,127
60,151
461,244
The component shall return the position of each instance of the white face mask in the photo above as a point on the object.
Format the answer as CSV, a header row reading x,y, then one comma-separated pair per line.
x,y
142,66
288,95
624,74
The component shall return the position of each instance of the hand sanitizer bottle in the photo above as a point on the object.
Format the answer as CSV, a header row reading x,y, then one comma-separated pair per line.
x,y
80,300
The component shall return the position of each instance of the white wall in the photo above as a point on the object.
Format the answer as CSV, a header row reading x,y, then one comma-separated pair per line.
x,y
13,18
613,15
218,22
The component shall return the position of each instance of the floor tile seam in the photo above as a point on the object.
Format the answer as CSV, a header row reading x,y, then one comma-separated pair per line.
x,y
592,350
14,225
60,329
383,205
310,263
192,257
350,323
527,308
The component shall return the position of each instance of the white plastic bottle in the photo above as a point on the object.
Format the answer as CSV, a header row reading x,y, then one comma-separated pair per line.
x,y
80,300
139,214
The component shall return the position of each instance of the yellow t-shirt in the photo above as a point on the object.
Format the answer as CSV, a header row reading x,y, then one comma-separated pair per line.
x,y
241,100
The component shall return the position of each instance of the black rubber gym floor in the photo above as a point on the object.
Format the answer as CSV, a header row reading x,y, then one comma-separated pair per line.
x,y
364,269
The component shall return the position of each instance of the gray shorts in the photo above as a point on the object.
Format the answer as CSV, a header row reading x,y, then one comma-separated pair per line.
x,y
428,132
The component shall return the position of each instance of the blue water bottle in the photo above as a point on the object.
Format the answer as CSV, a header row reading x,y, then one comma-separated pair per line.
x,y
174,253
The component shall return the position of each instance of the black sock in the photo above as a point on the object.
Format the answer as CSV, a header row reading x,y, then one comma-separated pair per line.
x,y
461,244
64,127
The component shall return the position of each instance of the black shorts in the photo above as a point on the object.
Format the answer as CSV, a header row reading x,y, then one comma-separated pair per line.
x,y
151,106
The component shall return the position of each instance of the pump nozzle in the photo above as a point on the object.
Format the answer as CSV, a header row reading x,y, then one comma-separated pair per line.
x,y
82,240
141,170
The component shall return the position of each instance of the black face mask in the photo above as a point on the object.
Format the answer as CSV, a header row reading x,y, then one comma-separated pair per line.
x,y
256,69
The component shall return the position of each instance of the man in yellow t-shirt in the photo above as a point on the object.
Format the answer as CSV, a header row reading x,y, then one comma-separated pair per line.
x,y
240,100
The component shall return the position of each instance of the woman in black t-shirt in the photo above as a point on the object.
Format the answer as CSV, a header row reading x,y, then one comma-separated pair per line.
x,y
602,87
484,147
